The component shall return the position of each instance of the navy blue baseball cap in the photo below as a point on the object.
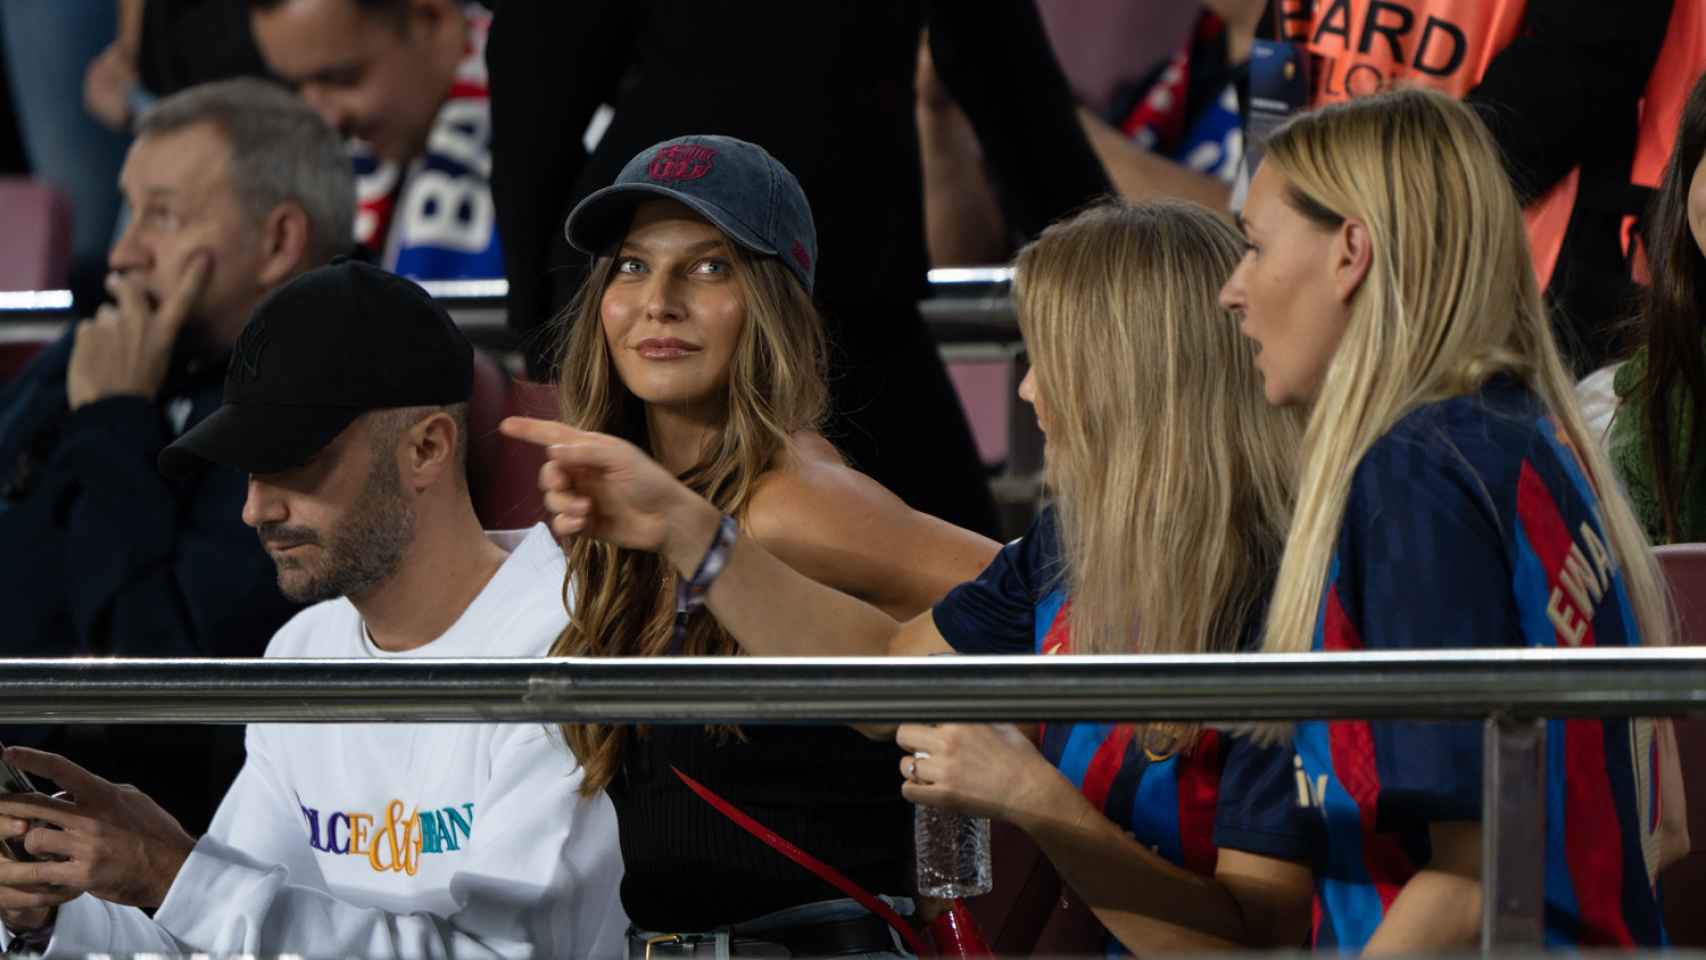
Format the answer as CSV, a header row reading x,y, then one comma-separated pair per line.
x,y
738,186
317,353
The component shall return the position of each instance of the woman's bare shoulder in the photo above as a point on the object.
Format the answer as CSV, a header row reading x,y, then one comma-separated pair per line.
x,y
840,527
812,488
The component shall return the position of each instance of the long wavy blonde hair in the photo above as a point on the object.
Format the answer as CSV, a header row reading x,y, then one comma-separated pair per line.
x,y
622,602
1449,300
1171,473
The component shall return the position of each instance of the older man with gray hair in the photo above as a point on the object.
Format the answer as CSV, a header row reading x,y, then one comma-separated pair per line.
x,y
234,188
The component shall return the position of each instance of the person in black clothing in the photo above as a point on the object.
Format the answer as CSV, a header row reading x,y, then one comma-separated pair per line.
x,y
1566,93
162,47
235,187
827,89
697,340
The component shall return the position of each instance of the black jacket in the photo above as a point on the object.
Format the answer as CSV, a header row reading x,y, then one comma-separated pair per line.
x,y
1567,93
101,556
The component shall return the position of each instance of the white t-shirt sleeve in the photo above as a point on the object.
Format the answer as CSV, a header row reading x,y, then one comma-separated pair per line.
x,y
89,926
542,879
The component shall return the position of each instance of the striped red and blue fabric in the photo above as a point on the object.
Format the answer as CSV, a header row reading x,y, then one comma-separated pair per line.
x,y
1166,803
1223,791
1471,524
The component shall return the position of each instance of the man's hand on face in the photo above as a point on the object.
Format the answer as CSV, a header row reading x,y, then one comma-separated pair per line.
x,y
126,349
103,839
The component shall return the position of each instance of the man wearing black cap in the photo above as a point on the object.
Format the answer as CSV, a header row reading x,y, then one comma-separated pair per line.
x,y
345,403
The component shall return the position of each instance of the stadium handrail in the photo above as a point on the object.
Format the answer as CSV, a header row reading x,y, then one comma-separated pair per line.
x,y
1511,690
964,304
1442,685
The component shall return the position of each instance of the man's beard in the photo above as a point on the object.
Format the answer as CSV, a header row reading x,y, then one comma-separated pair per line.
x,y
364,552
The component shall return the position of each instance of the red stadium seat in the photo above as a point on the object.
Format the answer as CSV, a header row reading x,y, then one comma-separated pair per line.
x,y
503,474
16,353
1684,566
1684,884
35,247
487,405
986,393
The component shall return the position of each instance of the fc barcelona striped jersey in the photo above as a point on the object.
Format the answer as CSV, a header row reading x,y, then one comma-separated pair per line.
x,y
1225,791
1472,524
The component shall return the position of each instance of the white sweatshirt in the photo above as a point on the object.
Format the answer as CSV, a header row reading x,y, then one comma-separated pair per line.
x,y
396,840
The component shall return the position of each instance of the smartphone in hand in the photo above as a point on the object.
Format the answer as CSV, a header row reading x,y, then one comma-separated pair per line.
x,y
13,780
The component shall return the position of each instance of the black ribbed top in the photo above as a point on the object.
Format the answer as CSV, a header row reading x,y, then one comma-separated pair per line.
x,y
829,790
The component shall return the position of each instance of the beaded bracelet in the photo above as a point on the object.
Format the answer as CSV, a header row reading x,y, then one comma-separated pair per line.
x,y
690,594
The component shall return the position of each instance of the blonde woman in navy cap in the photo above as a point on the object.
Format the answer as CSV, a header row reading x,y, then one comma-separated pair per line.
x,y
696,339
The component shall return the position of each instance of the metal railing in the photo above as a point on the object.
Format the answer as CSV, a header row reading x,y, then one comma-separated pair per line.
x,y
1509,690
1516,683
965,304
945,281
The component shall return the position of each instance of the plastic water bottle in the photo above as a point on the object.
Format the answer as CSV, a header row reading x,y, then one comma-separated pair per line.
x,y
953,853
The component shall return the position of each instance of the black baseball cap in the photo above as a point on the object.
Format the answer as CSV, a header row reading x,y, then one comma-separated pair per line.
x,y
738,186
318,352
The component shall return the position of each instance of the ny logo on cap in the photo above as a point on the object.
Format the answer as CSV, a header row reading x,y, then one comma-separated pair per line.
x,y
246,357
683,161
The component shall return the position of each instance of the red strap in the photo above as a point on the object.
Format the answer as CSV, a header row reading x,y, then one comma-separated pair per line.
x,y
824,871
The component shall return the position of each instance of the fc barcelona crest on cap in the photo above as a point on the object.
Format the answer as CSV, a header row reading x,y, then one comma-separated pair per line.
x,y
681,161
736,186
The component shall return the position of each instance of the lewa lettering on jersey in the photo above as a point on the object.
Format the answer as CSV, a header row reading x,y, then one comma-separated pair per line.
x,y
1577,568
1579,585
1359,47
1580,575
395,841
